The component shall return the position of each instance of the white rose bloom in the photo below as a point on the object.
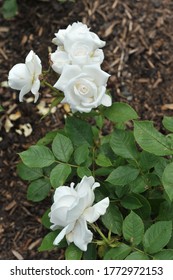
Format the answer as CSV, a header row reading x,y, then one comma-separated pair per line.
x,y
79,54
76,45
73,208
25,76
77,32
84,88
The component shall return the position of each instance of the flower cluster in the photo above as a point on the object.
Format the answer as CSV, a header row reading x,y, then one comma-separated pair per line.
x,y
72,209
77,60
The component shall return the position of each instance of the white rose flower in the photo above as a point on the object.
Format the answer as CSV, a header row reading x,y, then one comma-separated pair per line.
x,y
25,76
76,45
74,33
73,208
79,54
84,88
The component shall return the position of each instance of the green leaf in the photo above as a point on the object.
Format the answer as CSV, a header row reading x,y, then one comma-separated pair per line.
x,y
157,236
81,154
120,112
167,180
38,190
113,219
103,161
165,211
1,109
73,252
103,171
47,242
27,173
91,253
123,144
165,254
48,138
148,160
99,121
45,220
123,175
168,123
133,228
118,253
83,171
144,211
62,147
79,131
137,256
150,139
59,174
37,156
130,202
9,9
160,166
138,185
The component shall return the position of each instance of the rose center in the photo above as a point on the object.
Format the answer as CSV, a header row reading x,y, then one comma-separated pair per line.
x,y
82,89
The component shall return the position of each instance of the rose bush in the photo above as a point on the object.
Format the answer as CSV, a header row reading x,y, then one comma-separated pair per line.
x,y
25,76
72,209
133,163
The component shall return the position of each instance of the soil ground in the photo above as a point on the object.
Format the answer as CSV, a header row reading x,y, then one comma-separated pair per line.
x,y
139,58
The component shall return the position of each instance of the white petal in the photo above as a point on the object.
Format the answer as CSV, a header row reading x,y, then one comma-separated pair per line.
x,y
33,63
85,191
100,77
29,56
97,57
36,97
93,213
98,42
63,232
62,191
81,235
106,100
35,87
59,59
68,73
24,91
19,76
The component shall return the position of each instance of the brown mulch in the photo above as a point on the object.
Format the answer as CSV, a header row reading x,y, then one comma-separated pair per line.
x,y
138,55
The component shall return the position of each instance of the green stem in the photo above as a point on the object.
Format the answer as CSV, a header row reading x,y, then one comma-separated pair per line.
x,y
72,165
100,233
52,88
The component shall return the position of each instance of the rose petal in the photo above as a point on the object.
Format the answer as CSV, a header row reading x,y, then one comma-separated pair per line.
x,y
62,233
106,100
68,73
93,213
59,59
80,235
18,76
99,76
33,63
24,91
